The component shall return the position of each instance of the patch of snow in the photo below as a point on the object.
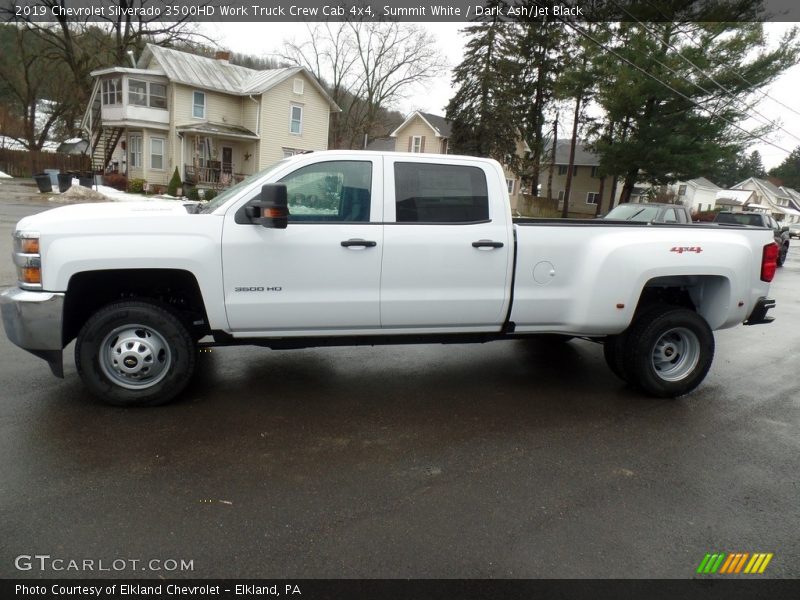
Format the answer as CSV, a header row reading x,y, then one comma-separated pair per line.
x,y
72,141
4,175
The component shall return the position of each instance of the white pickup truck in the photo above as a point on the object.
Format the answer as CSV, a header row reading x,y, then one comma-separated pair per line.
x,y
349,248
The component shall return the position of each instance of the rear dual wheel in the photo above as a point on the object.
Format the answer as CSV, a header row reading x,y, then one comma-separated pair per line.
x,y
666,352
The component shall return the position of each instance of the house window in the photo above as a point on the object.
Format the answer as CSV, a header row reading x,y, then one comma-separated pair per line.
x,y
199,105
145,93
594,171
296,119
298,86
562,169
158,95
416,143
592,198
510,185
157,153
111,91
681,190
137,92
561,195
287,152
135,152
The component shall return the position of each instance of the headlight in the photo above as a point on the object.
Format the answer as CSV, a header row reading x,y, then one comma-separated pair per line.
x,y
28,259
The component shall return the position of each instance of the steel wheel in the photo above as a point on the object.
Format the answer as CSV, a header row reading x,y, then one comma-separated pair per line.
x,y
134,356
676,354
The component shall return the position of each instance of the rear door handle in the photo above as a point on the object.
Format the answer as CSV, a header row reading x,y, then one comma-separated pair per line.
x,y
487,244
357,243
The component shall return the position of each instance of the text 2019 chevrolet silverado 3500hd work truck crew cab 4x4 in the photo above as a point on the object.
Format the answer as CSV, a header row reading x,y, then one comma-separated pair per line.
x,y
374,248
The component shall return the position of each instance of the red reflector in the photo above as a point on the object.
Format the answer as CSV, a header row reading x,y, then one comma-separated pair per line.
x,y
275,213
769,262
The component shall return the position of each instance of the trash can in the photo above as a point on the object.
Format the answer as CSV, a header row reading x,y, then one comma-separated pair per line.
x,y
64,182
86,180
43,182
53,173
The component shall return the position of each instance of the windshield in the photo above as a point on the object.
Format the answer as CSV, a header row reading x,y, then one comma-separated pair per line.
x,y
214,204
634,212
740,219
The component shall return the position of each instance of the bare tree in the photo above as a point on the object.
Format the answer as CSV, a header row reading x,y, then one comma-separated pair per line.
x,y
368,68
79,45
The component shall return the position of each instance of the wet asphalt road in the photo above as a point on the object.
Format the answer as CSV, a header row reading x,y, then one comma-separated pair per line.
x,y
507,459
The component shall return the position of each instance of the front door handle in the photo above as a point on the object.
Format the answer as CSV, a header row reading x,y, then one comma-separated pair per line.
x,y
358,243
487,244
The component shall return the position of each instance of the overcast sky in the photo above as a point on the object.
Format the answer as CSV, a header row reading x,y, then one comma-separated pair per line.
x,y
266,38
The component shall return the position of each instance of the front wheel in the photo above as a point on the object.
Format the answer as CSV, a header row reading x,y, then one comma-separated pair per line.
x,y
669,353
135,354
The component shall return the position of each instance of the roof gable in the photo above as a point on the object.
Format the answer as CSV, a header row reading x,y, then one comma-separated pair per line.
x,y
220,75
440,126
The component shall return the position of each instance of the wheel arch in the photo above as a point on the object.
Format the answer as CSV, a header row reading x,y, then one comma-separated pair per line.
x,y
176,289
707,295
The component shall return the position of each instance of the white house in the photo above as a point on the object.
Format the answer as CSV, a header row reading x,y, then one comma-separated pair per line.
x,y
780,202
697,194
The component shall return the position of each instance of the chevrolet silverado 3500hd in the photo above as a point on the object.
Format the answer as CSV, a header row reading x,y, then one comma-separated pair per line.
x,y
347,248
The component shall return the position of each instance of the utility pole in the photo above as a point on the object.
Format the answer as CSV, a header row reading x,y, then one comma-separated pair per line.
x,y
552,160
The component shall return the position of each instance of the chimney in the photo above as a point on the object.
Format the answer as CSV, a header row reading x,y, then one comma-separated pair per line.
x,y
223,55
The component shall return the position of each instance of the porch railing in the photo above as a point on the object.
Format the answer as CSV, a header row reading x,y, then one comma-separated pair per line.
x,y
217,175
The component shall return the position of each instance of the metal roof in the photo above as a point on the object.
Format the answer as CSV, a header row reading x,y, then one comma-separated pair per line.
x,y
219,75
583,156
218,129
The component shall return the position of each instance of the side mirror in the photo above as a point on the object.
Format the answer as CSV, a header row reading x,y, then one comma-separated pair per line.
x,y
271,209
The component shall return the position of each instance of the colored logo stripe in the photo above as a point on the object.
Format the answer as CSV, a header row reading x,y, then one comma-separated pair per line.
x,y
734,563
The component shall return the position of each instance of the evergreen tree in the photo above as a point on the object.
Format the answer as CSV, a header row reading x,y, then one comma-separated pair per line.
x,y
685,131
789,170
481,109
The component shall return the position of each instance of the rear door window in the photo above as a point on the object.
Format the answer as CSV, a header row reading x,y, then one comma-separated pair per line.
x,y
436,193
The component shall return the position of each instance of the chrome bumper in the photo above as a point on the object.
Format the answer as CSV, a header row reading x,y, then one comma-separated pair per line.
x,y
32,321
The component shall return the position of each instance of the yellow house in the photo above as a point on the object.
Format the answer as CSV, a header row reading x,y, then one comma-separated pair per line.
x,y
585,186
216,122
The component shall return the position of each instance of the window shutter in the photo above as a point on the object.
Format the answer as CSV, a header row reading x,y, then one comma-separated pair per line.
x,y
410,141
422,144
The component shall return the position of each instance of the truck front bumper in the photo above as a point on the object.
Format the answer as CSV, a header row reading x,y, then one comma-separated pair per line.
x,y
33,321
759,314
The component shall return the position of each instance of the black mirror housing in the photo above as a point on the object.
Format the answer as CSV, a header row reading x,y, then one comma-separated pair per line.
x,y
271,209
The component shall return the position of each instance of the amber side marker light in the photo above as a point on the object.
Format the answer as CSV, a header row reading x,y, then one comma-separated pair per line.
x,y
31,275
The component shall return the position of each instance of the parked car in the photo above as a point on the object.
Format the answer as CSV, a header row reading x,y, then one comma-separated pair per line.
x,y
650,212
781,234
399,248
794,230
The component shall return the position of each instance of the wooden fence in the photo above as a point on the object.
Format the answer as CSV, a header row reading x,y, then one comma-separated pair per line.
x,y
25,163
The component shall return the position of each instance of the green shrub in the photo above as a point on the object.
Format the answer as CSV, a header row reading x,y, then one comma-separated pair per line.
x,y
194,194
174,183
136,186
210,195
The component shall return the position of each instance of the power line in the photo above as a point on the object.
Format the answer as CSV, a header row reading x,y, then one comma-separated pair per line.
x,y
739,75
668,86
707,75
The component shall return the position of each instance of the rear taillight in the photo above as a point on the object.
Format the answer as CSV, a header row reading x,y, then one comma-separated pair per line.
x,y
769,262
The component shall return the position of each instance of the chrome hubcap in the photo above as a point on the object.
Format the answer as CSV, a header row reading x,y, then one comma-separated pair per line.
x,y
676,354
135,356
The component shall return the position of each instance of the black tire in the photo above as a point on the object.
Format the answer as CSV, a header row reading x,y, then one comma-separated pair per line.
x,y
668,352
135,354
782,255
613,352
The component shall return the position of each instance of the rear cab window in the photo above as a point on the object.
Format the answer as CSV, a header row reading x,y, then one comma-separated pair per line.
x,y
433,193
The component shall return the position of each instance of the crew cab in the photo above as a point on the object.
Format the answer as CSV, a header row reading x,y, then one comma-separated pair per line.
x,y
349,248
